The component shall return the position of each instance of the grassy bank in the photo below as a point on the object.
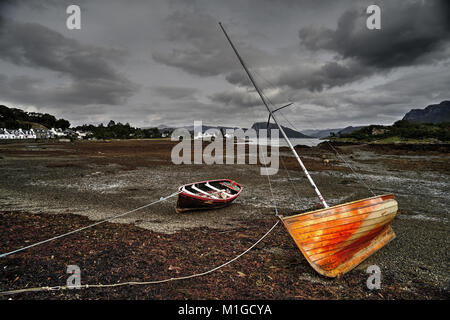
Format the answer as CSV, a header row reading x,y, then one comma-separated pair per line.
x,y
388,140
401,132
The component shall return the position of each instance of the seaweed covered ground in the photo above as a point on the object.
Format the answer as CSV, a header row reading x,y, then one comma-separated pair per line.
x,y
51,188
114,253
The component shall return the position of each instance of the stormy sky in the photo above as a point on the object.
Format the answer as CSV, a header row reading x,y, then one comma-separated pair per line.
x,y
167,62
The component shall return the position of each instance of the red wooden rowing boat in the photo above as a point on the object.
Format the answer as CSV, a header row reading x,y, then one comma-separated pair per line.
x,y
210,194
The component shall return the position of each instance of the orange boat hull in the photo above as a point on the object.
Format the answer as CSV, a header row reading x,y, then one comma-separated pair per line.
x,y
335,240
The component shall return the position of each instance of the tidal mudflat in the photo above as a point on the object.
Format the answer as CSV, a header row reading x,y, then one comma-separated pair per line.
x,y
50,188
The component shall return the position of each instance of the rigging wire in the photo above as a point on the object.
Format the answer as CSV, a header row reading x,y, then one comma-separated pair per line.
x,y
270,184
338,155
282,161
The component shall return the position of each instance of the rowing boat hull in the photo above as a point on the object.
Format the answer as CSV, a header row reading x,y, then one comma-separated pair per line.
x,y
334,240
189,202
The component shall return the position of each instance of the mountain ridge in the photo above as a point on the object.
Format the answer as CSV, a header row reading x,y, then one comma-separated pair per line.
x,y
433,113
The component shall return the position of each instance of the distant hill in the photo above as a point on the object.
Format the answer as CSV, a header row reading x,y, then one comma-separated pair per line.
x,y
289,132
321,133
435,113
350,129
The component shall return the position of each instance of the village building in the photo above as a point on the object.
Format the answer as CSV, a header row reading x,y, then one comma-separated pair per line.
x,y
39,133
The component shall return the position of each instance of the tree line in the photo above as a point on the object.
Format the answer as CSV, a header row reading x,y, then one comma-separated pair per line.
x,y
13,118
119,131
402,129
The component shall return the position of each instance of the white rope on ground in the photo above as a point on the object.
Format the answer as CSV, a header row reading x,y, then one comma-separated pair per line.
x,y
89,226
37,289
86,286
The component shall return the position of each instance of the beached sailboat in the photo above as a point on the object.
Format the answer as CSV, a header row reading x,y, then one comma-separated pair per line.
x,y
211,194
335,239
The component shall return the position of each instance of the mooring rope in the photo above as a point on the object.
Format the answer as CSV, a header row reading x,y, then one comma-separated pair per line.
x,y
47,288
86,286
89,226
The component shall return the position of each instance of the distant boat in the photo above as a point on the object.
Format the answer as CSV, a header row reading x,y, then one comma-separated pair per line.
x,y
335,239
211,194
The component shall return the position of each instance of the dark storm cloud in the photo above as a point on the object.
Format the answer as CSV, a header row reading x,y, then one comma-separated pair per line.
x,y
430,86
330,74
318,54
237,98
19,89
381,104
314,78
175,93
34,91
39,5
238,77
90,69
412,33
200,47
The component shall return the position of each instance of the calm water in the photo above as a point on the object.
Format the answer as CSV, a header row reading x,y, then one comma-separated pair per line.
x,y
310,142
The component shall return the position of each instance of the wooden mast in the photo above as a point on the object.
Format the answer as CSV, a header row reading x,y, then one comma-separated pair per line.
x,y
322,200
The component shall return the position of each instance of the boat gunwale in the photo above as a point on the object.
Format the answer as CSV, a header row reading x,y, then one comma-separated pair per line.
x,y
341,218
210,199
387,217
284,218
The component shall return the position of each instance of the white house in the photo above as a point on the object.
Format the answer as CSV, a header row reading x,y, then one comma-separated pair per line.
x,y
205,135
6,134
228,135
81,134
57,132
30,134
41,133
17,134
